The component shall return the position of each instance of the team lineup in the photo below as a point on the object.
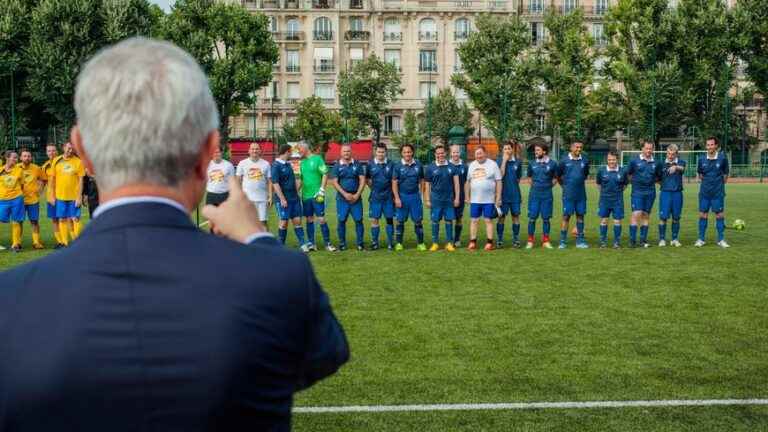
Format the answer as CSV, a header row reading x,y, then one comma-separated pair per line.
x,y
399,191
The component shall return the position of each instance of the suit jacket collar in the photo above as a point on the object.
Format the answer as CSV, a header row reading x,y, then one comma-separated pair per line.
x,y
140,214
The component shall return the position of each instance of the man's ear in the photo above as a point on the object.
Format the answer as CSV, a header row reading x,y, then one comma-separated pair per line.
x,y
206,154
77,142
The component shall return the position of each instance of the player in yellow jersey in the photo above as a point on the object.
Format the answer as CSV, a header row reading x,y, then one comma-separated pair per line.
x,y
32,182
12,198
50,197
68,173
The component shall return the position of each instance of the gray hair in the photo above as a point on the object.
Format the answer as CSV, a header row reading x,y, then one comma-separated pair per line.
x,y
144,109
673,147
303,145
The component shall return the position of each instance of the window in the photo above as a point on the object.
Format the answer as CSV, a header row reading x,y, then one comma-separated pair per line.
x,y
324,60
392,30
427,89
323,29
392,56
541,122
293,27
535,6
270,92
537,33
427,30
391,124
457,65
598,32
355,56
325,91
293,92
601,6
570,5
427,61
461,29
355,23
292,61
272,24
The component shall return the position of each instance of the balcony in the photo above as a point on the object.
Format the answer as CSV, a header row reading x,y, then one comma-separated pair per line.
x,y
292,101
535,8
323,4
428,68
328,101
357,35
292,68
270,4
323,35
461,35
497,5
292,4
292,36
600,9
462,4
428,36
325,68
355,4
393,37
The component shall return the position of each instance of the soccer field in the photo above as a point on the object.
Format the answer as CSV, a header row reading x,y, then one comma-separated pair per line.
x,y
514,326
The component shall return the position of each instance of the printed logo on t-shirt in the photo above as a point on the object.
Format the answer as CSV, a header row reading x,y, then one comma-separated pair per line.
x,y
216,176
479,173
9,181
28,178
255,174
67,168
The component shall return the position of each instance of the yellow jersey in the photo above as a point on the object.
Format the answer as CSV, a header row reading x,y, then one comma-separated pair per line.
x,y
10,183
47,174
67,174
32,176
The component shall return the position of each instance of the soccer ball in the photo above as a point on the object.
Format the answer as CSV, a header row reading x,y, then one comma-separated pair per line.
x,y
320,199
739,225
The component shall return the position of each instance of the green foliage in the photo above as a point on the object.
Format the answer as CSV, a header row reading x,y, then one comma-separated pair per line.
x,y
318,126
751,18
500,77
412,133
446,112
234,47
367,91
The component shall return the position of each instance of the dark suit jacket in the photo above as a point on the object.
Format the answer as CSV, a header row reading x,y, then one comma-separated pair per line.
x,y
146,323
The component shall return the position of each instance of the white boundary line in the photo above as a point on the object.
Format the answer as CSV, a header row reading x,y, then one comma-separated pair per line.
x,y
531,405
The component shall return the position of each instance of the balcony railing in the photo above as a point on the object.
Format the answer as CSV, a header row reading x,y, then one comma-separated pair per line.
x,y
462,4
292,68
393,37
289,36
428,67
357,35
462,35
428,36
535,8
600,9
292,101
355,4
325,68
497,4
323,35
328,101
323,4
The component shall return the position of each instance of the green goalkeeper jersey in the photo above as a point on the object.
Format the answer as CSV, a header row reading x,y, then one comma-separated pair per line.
x,y
313,169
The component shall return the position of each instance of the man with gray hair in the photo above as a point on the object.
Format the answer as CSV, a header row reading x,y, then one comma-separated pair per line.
x,y
146,322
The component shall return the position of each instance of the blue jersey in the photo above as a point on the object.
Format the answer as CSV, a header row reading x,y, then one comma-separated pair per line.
x,y
672,182
282,174
348,175
645,174
713,173
380,175
409,177
510,183
441,177
573,173
542,174
461,168
612,184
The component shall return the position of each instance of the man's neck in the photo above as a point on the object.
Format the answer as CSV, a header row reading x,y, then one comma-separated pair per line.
x,y
456,161
25,164
217,161
255,159
148,190
712,154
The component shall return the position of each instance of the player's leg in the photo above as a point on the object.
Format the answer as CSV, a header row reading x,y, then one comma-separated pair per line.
x,y
533,214
308,211
500,224
356,210
51,213
719,210
581,210
646,219
417,215
489,211
546,214
449,215
33,214
375,210
475,211
618,217
402,216
76,227
568,210
677,211
515,212
389,214
705,204
435,214
603,212
17,219
282,225
458,224
665,211
63,215
5,215
342,213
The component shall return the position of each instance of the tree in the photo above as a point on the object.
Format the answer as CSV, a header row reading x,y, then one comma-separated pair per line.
x,y
233,46
367,91
446,112
317,125
412,134
751,17
500,75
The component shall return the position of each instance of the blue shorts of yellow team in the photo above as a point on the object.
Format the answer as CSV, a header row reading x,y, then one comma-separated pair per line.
x,y
311,208
377,209
32,211
446,212
412,207
670,205
605,210
579,207
67,210
713,204
344,209
643,203
510,207
290,211
487,211
51,211
12,210
540,207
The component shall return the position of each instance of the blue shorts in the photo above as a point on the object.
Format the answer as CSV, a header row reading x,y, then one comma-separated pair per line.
x,y
51,211
715,205
670,204
378,208
12,210
310,208
510,207
643,203
540,207
616,209
443,212
570,207
488,211
344,209
67,210
412,207
293,210
33,211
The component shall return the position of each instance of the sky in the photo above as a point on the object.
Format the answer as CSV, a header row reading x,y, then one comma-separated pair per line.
x,y
165,4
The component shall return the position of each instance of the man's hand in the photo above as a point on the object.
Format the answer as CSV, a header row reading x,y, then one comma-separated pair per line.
x,y
269,202
78,202
236,218
672,169
456,202
498,203
428,203
284,202
398,203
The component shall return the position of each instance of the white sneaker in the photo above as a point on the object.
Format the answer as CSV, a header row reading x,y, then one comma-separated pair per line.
x,y
699,243
529,245
723,244
305,248
457,244
675,243
330,248
662,243
312,247
2,248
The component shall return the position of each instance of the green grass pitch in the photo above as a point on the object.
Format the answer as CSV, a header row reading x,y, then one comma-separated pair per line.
x,y
548,326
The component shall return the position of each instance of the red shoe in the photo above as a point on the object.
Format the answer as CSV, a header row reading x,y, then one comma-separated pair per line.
x,y
489,247
472,245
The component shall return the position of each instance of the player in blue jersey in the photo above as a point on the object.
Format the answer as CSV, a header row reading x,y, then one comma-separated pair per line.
x,y
611,180
407,187
461,169
572,172
643,173
713,172
511,171
380,202
671,196
349,181
543,174
441,195
286,199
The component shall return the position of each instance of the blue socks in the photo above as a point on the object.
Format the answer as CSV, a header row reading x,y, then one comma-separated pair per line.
x,y
419,228
531,228
299,230
375,230
675,229
563,236
390,233
644,233
326,233
703,228
400,229
499,232
720,224
633,233
616,234
603,233
341,231
282,234
311,232
435,232
359,232
449,232
580,230
546,226
662,231
515,231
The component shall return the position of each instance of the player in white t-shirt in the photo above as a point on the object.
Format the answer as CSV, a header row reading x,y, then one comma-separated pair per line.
x,y
219,172
255,175
483,191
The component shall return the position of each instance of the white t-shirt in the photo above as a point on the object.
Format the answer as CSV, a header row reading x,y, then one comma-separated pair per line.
x,y
482,181
255,176
218,176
